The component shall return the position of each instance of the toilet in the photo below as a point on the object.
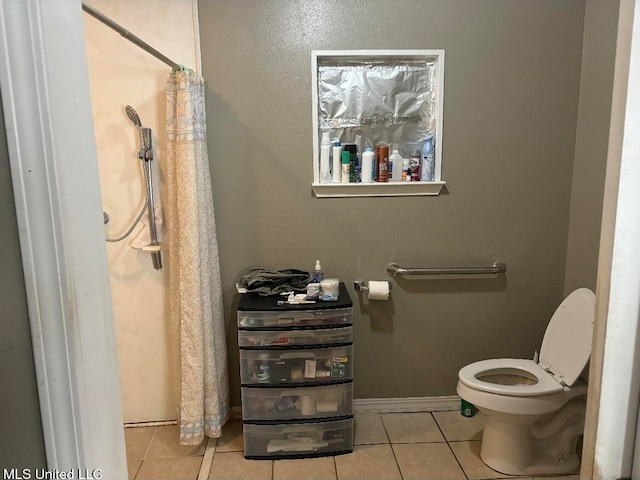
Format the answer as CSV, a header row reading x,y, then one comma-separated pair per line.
x,y
535,409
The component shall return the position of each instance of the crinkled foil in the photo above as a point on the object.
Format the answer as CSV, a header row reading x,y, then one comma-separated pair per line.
x,y
373,102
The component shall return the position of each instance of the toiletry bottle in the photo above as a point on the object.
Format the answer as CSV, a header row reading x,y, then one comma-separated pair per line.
x,y
406,172
325,153
414,165
367,165
264,369
395,166
352,148
354,166
428,160
317,272
382,156
336,170
345,167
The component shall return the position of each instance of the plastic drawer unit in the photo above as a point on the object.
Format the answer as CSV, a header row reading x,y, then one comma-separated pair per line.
x,y
264,405
298,439
295,318
294,337
296,370
296,365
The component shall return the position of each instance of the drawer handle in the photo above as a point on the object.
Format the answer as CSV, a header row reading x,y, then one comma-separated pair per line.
x,y
298,354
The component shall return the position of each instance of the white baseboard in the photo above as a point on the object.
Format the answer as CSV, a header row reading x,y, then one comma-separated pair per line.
x,y
407,404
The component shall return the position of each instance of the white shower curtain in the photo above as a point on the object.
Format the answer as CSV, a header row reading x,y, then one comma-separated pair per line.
x,y
195,293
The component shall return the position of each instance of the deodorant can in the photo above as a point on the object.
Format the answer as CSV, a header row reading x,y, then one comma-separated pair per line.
x,y
352,148
382,157
345,167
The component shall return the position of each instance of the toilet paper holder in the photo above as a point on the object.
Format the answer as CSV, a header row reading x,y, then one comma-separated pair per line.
x,y
363,285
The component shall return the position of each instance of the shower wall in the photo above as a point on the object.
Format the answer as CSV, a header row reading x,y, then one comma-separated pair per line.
x,y
122,74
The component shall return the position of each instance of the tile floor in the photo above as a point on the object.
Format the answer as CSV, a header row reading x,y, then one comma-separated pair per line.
x,y
388,446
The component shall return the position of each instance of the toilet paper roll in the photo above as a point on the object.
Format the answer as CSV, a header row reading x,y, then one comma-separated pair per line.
x,y
378,290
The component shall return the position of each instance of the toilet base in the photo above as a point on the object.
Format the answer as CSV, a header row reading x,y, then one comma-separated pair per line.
x,y
534,444
514,457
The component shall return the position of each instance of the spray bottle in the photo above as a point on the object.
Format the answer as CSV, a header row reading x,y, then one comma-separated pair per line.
x,y
428,160
336,167
325,153
317,272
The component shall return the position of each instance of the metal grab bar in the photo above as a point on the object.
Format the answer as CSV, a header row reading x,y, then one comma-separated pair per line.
x,y
498,268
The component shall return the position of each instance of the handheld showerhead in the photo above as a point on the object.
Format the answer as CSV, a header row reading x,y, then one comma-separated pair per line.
x,y
133,116
146,155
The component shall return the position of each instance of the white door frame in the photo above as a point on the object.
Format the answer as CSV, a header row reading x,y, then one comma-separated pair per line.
x,y
614,386
54,170
46,101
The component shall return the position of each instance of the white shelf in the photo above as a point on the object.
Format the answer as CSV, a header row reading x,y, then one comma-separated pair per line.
x,y
389,189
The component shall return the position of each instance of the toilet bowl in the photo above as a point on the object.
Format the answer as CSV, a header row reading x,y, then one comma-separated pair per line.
x,y
535,409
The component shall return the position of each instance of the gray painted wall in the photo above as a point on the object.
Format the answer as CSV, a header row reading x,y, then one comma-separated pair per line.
x,y
592,141
21,441
511,101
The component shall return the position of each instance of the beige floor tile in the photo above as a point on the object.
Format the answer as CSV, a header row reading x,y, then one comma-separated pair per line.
x,y
322,468
132,467
166,444
233,466
427,461
468,454
457,428
369,429
368,462
186,468
231,439
411,427
137,441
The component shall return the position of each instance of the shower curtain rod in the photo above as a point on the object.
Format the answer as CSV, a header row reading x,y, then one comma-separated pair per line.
x,y
129,36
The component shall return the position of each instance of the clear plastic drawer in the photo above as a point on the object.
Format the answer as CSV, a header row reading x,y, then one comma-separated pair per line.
x,y
296,365
277,404
330,316
298,439
279,338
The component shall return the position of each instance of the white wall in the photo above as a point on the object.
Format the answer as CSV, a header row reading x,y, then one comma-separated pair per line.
x,y
122,74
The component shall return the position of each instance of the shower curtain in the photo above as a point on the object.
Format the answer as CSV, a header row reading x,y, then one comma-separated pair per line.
x,y
195,294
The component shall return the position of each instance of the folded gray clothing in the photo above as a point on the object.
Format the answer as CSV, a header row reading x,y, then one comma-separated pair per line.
x,y
273,282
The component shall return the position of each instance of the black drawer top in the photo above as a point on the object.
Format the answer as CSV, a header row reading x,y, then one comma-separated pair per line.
x,y
254,302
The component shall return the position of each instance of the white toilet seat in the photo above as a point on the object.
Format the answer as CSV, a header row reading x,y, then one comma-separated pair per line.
x,y
545,384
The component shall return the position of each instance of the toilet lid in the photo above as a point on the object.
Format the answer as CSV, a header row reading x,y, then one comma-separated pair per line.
x,y
566,345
